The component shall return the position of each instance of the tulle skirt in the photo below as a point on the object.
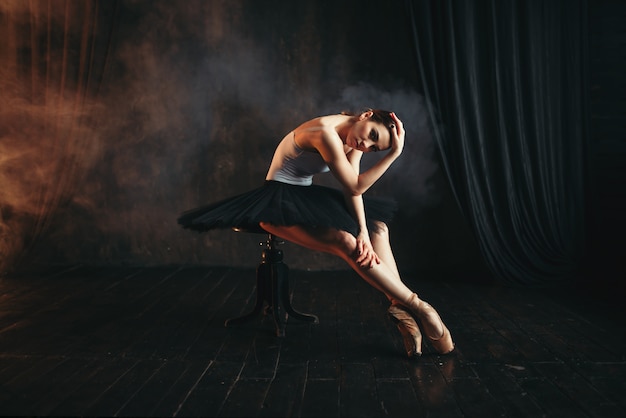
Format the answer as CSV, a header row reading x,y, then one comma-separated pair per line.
x,y
286,204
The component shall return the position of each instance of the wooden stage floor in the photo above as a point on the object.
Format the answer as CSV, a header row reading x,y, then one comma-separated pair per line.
x,y
131,341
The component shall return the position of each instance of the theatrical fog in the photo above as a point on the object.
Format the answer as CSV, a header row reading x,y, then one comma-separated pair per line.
x,y
117,116
287,208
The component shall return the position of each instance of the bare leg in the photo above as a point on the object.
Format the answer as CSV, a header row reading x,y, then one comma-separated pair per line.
x,y
343,244
400,315
382,247
437,332
384,276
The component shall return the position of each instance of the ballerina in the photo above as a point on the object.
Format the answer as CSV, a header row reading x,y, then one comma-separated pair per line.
x,y
343,222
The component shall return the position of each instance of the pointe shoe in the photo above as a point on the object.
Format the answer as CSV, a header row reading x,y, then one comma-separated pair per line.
x,y
434,328
411,335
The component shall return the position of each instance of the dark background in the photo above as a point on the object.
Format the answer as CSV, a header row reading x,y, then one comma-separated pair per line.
x,y
606,152
117,116
185,104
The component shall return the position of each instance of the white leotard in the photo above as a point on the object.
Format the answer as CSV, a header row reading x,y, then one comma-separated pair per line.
x,y
293,165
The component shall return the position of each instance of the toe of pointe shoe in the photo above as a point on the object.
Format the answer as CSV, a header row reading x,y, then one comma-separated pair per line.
x,y
406,324
443,345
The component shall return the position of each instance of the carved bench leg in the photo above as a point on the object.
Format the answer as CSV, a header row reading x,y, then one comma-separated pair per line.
x,y
273,290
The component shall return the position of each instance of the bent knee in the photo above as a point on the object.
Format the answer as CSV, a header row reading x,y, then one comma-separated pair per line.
x,y
345,242
380,229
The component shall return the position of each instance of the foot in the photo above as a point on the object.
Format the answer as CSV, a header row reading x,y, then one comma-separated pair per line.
x,y
411,335
434,328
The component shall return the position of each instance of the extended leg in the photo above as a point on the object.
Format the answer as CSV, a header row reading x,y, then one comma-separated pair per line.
x,y
382,247
343,244
384,276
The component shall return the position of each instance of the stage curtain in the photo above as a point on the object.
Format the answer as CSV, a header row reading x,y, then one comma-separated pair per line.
x,y
505,83
52,67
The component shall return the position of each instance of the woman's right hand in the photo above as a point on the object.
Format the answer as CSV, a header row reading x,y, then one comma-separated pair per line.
x,y
366,257
397,137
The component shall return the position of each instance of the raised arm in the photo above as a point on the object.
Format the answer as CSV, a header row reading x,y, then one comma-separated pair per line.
x,y
353,182
365,254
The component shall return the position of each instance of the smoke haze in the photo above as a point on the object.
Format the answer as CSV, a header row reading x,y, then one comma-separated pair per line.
x,y
116,117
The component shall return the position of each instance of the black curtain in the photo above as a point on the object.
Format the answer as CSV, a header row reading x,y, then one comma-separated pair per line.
x,y
505,83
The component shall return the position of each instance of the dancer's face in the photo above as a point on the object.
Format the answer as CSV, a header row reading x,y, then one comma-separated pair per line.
x,y
368,136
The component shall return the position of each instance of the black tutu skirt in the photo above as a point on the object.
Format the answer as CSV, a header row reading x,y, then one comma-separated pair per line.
x,y
285,204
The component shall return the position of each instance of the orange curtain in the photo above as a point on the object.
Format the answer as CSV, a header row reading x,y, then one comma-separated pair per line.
x,y
48,80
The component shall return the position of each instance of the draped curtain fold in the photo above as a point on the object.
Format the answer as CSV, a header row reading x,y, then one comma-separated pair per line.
x,y
51,66
505,87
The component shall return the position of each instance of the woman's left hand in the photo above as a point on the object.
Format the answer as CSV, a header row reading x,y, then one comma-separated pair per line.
x,y
397,134
365,255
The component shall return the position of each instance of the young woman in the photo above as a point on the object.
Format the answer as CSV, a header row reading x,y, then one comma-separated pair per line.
x,y
343,223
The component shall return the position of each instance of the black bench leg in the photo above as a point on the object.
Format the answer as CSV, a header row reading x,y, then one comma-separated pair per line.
x,y
285,298
273,289
260,298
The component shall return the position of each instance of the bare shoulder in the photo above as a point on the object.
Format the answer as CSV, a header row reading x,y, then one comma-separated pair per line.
x,y
321,123
319,133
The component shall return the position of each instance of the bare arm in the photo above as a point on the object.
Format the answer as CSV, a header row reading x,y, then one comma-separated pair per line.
x,y
353,182
355,202
365,254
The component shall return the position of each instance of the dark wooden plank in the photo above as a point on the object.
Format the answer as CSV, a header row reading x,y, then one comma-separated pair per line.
x,y
323,360
397,398
181,326
550,399
474,399
380,335
150,398
165,318
60,383
23,380
434,392
296,347
450,366
123,389
393,366
357,391
500,382
351,337
207,395
152,342
94,385
215,306
530,347
321,398
302,285
284,397
263,357
245,398
118,311
174,384
613,388
241,299
579,390
324,369
42,305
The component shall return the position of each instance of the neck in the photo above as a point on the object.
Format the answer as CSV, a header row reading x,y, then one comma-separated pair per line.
x,y
344,127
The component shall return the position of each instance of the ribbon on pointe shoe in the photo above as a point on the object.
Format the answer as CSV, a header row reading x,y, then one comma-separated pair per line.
x,y
411,335
430,320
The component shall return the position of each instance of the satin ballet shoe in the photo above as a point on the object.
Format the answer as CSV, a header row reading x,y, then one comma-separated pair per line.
x,y
411,335
430,320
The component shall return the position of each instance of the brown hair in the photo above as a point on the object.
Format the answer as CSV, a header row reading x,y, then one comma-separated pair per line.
x,y
380,116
